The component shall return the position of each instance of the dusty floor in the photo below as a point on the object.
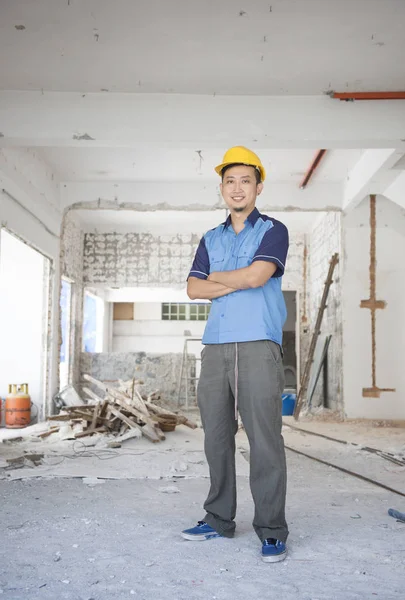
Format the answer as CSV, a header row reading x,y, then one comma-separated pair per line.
x,y
105,524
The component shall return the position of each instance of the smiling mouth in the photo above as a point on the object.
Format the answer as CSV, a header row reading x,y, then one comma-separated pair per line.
x,y
237,198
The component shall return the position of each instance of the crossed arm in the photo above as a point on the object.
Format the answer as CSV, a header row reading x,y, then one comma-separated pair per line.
x,y
223,283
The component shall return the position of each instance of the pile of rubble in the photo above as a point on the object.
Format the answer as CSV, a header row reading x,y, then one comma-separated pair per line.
x,y
115,410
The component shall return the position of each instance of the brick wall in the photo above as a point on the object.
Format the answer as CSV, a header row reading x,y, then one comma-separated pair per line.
x,y
325,240
138,259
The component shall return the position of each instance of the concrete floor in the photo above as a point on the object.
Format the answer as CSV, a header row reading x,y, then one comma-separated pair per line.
x,y
65,536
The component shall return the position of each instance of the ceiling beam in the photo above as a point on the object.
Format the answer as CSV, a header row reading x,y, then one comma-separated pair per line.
x,y
52,119
396,190
368,175
183,195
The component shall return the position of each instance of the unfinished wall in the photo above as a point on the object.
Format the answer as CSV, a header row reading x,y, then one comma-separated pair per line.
x,y
158,371
390,321
296,279
325,240
71,261
131,259
145,260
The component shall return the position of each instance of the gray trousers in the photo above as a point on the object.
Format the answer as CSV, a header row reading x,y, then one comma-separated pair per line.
x,y
258,370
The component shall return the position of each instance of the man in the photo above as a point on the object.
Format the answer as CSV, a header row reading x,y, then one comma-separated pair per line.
x,y
238,266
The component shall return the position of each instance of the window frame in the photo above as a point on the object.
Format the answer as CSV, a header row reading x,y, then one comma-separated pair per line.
x,y
185,311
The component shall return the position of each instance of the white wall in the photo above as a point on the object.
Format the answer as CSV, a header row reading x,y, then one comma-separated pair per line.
x,y
32,211
23,318
390,322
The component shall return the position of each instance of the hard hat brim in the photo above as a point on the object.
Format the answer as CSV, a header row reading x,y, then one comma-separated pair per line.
x,y
220,168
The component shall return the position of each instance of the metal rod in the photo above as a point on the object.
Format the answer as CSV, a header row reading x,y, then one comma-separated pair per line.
x,y
324,462
368,95
314,165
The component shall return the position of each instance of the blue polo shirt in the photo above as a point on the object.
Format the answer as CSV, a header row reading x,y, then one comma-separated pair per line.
x,y
245,315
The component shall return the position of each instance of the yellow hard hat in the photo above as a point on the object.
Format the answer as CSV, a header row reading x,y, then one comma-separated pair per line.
x,y
240,154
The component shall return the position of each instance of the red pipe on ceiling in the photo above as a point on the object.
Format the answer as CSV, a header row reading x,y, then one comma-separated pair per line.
x,y
368,95
314,165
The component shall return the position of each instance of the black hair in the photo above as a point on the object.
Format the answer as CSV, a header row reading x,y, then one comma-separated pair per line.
x,y
257,172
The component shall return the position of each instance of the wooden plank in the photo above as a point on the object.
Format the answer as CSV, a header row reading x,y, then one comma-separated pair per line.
x,y
48,433
148,432
95,416
59,418
103,409
90,431
149,420
79,407
181,419
116,394
308,365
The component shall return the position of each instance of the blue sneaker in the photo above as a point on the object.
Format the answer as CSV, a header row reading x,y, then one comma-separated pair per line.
x,y
202,531
273,550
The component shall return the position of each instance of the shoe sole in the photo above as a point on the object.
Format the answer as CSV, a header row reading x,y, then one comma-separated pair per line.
x,y
275,558
199,538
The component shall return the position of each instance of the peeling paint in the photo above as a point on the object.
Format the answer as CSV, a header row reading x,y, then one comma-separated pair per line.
x,y
1,134
85,136
104,90
242,13
20,27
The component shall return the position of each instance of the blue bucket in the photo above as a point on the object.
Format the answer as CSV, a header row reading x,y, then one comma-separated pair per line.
x,y
288,404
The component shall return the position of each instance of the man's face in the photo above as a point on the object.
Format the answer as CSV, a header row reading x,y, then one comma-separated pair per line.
x,y
239,188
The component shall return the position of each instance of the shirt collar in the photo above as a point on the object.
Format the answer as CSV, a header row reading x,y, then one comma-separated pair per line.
x,y
252,218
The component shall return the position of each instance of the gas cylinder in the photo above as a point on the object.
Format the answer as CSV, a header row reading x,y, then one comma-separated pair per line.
x,y
17,406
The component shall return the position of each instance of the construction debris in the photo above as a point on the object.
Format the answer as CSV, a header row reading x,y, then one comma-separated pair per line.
x,y
118,410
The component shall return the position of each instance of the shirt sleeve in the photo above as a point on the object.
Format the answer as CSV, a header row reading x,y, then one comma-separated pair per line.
x,y
201,264
274,247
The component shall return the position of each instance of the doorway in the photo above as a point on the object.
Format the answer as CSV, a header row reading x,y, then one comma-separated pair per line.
x,y
290,342
66,328
24,298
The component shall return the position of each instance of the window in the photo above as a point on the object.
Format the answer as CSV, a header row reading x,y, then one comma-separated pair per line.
x,y
185,312
93,321
66,314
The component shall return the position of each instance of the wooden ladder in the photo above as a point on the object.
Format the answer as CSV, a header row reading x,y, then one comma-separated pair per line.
x,y
317,330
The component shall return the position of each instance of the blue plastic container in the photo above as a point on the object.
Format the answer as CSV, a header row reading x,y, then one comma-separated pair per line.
x,y
288,404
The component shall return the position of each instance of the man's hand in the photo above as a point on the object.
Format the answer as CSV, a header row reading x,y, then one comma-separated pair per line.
x,y
202,289
253,276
